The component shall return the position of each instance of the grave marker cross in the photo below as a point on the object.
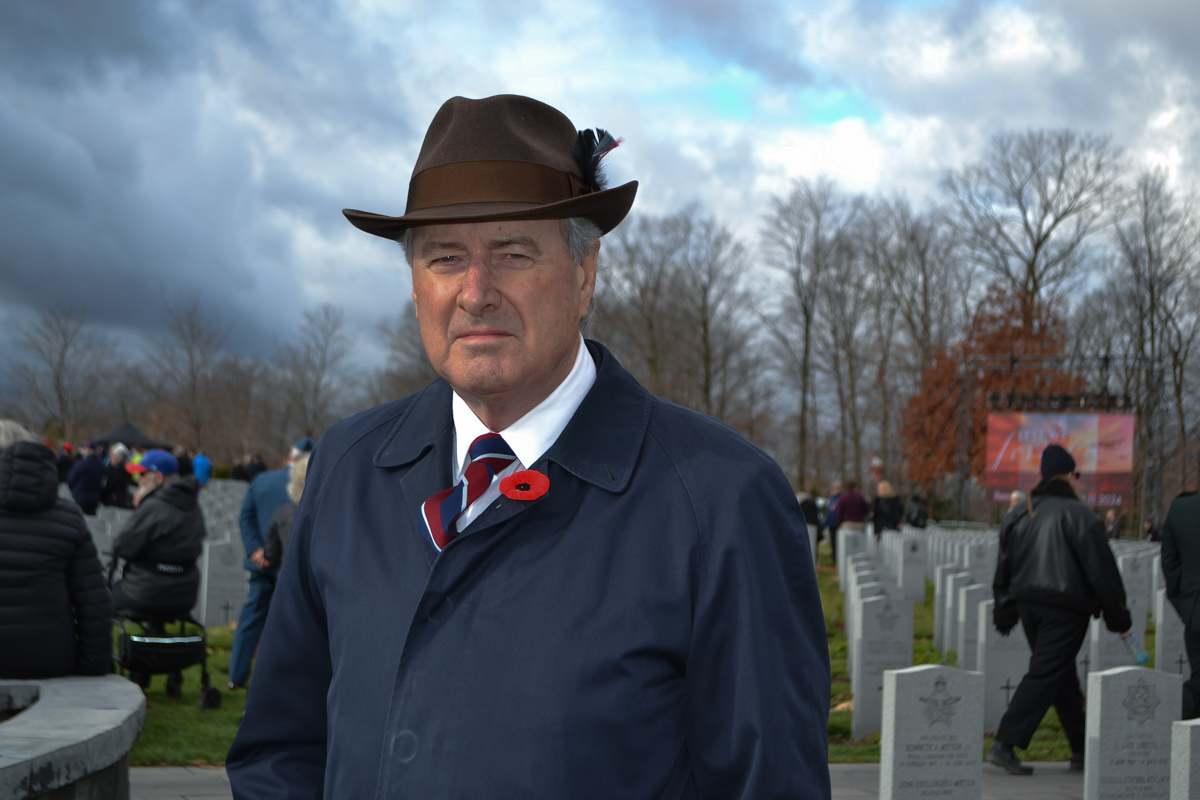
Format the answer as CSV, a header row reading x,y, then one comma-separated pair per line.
x,y
1007,687
1182,660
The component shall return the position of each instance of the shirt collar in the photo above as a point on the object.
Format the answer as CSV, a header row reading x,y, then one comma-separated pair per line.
x,y
533,434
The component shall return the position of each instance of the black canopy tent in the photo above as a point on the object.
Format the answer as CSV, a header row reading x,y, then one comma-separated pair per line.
x,y
130,436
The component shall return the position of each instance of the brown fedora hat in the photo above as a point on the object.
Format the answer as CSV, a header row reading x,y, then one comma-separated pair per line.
x,y
505,157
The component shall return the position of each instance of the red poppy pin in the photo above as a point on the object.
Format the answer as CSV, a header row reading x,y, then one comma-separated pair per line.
x,y
526,484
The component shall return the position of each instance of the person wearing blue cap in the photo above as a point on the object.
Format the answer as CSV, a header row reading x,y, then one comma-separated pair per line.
x,y
267,492
1054,571
161,541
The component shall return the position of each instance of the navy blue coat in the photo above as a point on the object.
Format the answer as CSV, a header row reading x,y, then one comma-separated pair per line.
x,y
267,492
649,628
86,480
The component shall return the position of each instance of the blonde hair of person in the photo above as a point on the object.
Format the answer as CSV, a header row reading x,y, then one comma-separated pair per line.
x,y
885,489
13,432
296,483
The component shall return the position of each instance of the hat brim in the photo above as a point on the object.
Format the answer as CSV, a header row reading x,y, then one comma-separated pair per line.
x,y
606,209
135,469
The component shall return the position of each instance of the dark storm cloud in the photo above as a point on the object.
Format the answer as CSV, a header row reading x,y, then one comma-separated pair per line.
x,y
753,33
159,151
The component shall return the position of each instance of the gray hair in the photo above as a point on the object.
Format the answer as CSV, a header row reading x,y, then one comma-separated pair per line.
x,y
12,432
580,235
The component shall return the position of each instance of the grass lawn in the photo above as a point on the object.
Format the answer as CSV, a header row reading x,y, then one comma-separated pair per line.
x,y
178,733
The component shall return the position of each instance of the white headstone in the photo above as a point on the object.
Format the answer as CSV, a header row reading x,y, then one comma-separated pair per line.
x,y
1003,660
1129,716
912,569
1108,649
1185,759
883,640
812,543
932,732
850,542
953,583
969,598
1170,655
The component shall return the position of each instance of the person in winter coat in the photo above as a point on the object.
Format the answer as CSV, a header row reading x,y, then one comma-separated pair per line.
x,y
55,610
916,513
1181,568
86,479
887,512
275,542
161,541
117,483
1054,572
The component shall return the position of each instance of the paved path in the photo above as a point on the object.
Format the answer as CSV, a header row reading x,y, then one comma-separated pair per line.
x,y
850,782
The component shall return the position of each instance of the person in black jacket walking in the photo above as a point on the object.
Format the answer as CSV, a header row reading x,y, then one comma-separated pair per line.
x,y
1054,571
161,541
55,611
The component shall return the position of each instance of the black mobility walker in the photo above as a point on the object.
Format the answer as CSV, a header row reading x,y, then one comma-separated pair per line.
x,y
156,650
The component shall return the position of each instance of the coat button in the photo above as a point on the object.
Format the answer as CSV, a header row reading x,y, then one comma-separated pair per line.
x,y
440,610
404,746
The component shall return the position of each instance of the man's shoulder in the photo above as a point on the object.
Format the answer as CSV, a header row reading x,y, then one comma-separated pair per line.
x,y
370,427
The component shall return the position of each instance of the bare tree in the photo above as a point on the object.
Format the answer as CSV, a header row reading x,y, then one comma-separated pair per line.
x,y
315,371
62,379
803,235
408,368
1156,270
638,295
185,361
1024,211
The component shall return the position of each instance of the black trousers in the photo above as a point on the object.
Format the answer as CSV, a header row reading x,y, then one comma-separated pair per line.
x,y
1055,636
1191,687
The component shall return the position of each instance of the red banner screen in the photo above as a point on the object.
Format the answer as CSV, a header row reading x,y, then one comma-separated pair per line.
x,y
1102,445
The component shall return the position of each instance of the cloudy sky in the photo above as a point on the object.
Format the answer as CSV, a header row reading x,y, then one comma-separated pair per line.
x,y
151,151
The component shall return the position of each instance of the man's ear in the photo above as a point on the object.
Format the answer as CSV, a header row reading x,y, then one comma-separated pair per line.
x,y
587,285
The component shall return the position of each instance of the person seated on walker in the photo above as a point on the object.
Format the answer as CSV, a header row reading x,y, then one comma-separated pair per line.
x,y
160,543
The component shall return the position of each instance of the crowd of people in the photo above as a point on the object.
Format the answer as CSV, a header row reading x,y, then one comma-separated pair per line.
x,y
57,600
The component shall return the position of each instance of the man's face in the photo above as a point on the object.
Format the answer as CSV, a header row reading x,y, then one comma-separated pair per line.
x,y
499,305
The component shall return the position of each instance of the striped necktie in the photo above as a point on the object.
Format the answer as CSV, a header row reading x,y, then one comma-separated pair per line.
x,y
489,454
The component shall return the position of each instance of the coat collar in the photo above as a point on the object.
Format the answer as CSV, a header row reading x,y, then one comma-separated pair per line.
x,y
599,445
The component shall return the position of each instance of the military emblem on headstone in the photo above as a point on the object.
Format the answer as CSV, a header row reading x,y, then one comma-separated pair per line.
x,y
886,618
939,706
1141,702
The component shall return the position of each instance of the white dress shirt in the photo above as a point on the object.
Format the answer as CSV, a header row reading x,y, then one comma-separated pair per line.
x,y
529,437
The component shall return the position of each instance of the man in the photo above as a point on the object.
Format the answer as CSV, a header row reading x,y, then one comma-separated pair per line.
x,y
1053,573
1181,568
617,601
852,507
267,492
86,479
161,541
831,522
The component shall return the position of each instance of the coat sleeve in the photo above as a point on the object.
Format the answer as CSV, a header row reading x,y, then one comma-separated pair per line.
x,y
280,747
1004,611
93,609
1100,568
758,677
1172,567
252,537
133,539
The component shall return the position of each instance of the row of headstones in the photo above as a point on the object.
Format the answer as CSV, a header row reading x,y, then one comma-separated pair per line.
x,y
878,623
933,731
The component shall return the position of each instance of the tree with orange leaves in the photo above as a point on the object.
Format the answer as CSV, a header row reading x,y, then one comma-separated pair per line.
x,y
997,329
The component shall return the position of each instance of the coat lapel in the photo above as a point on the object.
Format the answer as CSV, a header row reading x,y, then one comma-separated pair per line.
x,y
422,440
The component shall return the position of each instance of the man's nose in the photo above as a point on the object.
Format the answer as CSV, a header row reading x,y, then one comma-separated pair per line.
x,y
478,293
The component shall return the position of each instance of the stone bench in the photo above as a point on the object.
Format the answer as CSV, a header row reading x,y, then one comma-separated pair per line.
x,y
70,737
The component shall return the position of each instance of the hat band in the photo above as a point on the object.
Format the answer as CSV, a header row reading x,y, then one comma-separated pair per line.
x,y
491,182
